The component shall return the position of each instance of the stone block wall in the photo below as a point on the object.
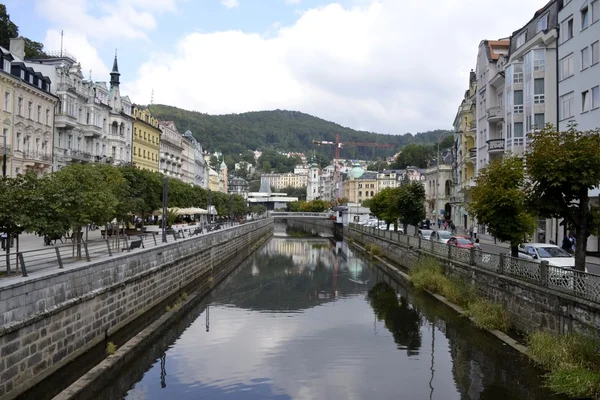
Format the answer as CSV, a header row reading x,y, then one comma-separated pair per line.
x,y
532,307
50,320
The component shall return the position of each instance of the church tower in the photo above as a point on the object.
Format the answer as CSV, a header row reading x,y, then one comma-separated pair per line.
x,y
312,188
115,94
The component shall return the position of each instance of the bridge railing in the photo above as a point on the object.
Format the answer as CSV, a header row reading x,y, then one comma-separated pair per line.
x,y
567,280
299,214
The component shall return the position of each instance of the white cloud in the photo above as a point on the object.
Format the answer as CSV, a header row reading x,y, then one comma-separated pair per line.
x,y
292,2
386,65
78,46
230,3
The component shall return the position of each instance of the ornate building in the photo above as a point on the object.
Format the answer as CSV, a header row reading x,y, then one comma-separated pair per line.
x,y
120,121
223,177
146,139
198,167
27,115
171,151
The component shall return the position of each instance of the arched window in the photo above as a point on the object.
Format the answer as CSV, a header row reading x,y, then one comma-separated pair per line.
x,y
360,193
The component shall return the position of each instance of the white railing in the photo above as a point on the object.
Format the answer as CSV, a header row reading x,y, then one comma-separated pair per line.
x,y
577,283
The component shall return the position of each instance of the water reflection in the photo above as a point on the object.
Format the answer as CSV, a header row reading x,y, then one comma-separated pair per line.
x,y
309,319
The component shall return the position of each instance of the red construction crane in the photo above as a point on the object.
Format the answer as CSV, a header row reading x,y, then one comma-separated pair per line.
x,y
338,145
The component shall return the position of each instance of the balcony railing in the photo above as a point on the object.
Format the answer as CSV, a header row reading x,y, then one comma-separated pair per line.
x,y
495,145
92,131
80,154
473,152
37,156
5,150
495,113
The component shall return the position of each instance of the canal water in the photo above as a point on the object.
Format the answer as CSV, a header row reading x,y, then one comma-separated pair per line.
x,y
309,318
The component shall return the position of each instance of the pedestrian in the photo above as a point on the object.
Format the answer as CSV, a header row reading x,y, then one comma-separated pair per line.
x,y
452,227
566,244
477,245
471,232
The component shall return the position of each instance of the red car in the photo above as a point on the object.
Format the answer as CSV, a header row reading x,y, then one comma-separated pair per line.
x,y
461,241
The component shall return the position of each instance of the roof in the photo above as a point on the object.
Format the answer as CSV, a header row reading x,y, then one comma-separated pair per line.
x,y
492,44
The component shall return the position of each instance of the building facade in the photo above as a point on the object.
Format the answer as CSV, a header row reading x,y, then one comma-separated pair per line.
x,y
465,129
438,191
198,170
27,117
171,151
359,185
282,181
238,186
146,140
120,134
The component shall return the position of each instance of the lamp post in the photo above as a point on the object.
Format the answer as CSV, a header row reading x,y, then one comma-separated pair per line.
x,y
165,200
437,176
4,153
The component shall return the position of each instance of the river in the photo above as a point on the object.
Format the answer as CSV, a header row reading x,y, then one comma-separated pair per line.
x,y
308,318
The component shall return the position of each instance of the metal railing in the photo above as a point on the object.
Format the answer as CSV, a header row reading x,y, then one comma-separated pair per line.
x,y
298,214
61,254
577,283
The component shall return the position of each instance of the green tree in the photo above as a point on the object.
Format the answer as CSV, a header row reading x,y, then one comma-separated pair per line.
x,y
378,165
498,200
145,190
417,155
181,194
8,29
240,207
248,157
409,202
383,207
563,167
34,49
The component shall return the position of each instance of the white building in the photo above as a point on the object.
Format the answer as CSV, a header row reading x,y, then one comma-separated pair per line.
x,y
579,77
301,169
490,102
438,190
198,171
320,183
282,181
171,151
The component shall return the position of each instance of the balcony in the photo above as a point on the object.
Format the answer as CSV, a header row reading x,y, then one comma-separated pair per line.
x,y
495,145
495,114
80,155
92,131
64,120
5,150
473,153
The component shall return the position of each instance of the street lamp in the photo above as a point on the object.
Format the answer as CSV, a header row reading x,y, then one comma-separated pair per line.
x,y
4,153
437,175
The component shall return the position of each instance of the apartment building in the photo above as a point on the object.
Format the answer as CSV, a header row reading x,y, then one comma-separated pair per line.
x,y
171,151
146,140
27,116
281,181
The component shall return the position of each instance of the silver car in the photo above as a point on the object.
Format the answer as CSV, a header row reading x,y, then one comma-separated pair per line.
x,y
441,236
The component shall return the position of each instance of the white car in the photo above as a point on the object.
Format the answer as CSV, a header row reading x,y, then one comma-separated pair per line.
x,y
441,236
539,252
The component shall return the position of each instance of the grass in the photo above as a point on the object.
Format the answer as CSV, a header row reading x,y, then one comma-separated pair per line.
x,y
573,362
111,348
374,249
429,275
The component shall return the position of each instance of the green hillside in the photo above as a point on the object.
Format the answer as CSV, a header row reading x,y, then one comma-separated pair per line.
x,y
281,130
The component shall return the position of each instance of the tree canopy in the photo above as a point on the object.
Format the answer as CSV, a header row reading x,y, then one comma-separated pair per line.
x,y
420,155
283,130
410,203
498,201
563,167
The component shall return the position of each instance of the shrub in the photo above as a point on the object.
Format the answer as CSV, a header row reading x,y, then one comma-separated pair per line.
x,y
489,315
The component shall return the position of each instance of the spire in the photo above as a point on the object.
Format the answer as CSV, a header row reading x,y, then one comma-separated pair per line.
x,y
114,75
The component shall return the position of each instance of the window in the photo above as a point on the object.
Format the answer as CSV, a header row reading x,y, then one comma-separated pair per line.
x,y
566,30
18,141
47,116
538,91
39,114
585,58
20,107
585,18
542,23
539,61
539,121
566,68
7,66
595,11
29,109
595,97
567,106
518,108
518,75
585,101
595,50
521,39
518,130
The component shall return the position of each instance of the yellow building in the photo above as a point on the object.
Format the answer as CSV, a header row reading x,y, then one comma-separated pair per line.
x,y
465,126
360,185
213,180
146,140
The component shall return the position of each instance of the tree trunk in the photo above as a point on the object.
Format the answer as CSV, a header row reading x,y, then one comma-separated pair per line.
x,y
7,242
405,227
581,231
514,251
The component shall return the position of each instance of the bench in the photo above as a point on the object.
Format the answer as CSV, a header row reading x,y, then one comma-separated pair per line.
x,y
178,235
134,244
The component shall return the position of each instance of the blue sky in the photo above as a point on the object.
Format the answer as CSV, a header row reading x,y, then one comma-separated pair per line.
x,y
390,66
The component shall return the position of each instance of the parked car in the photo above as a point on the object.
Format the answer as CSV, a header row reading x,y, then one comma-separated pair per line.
x,y
441,236
463,242
425,233
556,256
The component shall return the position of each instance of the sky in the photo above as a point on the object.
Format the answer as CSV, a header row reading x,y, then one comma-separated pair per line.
x,y
387,66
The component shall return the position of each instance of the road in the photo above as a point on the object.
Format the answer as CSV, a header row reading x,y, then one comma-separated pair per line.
x,y
489,246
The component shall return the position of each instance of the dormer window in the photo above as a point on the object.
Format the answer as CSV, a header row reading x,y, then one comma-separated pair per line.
x,y
31,79
542,23
22,74
521,39
6,66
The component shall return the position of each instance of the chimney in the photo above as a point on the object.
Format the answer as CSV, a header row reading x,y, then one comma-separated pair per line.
x,y
17,47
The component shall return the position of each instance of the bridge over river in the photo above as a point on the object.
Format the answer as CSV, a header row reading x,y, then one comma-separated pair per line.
x,y
307,317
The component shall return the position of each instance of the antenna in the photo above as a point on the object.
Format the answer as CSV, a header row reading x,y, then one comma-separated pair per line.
x,y
62,34
152,97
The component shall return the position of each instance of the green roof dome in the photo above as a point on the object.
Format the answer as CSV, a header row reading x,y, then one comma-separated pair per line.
x,y
356,171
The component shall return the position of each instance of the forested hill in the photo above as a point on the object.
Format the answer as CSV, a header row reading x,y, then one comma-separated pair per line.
x,y
281,130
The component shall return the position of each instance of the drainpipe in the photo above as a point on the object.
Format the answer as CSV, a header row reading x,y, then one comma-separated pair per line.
x,y
557,107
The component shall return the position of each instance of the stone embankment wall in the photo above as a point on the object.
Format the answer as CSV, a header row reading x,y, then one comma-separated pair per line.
x,y
50,320
532,307
314,225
